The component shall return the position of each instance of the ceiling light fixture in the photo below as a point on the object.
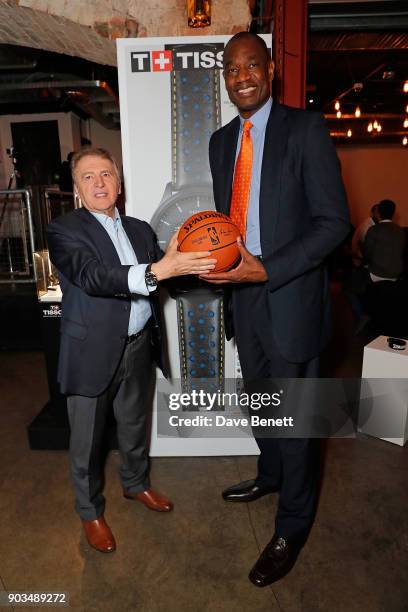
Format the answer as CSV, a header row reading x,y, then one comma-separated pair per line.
x,y
388,74
357,87
405,141
406,123
338,114
337,105
405,87
349,133
199,13
370,127
357,112
375,124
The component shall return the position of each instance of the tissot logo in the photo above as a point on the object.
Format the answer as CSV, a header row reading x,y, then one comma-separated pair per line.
x,y
178,57
53,311
140,61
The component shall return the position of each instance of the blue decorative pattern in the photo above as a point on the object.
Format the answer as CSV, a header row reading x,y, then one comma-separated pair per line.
x,y
201,341
195,116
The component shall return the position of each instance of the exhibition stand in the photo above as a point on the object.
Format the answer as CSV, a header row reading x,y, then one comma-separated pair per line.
x,y
389,407
50,428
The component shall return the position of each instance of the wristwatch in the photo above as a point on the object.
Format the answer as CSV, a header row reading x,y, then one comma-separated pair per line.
x,y
150,277
195,113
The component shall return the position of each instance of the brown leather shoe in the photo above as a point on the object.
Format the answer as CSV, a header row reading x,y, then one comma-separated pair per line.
x,y
151,499
99,535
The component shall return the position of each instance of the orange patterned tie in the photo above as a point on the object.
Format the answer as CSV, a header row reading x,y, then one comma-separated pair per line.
x,y
242,181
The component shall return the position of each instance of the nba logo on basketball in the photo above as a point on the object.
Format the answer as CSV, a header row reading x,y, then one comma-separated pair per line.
x,y
212,233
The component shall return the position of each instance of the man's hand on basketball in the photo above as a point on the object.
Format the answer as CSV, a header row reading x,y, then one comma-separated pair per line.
x,y
175,263
249,270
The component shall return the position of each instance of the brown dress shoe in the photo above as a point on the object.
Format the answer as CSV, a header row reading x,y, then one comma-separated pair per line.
x,y
151,499
99,535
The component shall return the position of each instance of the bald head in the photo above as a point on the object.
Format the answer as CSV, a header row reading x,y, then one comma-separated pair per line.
x,y
242,36
248,72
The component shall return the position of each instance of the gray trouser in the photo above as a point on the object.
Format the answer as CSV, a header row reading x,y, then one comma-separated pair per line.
x,y
128,393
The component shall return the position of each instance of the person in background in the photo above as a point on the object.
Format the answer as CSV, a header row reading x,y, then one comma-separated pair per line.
x,y
360,234
65,176
384,245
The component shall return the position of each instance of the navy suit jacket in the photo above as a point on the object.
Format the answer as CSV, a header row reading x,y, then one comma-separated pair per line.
x,y
96,300
303,217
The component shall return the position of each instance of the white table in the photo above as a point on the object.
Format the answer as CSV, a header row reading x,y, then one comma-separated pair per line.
x,y
52,295
388,407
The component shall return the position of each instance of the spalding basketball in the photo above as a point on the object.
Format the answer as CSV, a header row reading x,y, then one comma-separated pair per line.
x,y
211,231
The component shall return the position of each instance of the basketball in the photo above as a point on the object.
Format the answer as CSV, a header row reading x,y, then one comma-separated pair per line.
x,y
211,231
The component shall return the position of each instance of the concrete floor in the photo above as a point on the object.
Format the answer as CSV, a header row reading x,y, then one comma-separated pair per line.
x,y
197,558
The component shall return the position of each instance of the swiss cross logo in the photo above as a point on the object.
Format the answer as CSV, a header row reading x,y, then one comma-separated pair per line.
x,y
162,61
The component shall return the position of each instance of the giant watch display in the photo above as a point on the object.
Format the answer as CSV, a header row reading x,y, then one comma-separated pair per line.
x,y
195,113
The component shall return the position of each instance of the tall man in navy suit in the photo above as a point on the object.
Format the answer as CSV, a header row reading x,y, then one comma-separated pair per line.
x,y
109,267
279,294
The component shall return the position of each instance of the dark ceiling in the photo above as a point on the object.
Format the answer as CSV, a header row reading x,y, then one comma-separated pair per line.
x,y
35,81
371,78
358,56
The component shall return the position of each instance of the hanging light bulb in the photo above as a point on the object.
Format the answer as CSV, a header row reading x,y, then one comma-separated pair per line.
x,y
337,105
370,127
199,13
405,141
405,87
375,124
379,127
357,112
406,108
349,133
406,123
338,114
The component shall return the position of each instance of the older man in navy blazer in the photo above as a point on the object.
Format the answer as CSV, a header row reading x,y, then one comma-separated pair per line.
x,y
109,267
279,306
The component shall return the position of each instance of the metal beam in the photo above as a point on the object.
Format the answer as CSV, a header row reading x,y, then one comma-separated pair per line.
x,y
289,43
362,16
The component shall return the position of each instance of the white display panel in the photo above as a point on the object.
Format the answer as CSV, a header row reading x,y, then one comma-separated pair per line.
x,y
382,362
146,129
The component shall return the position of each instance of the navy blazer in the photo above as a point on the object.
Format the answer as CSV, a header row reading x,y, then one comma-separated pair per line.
x,y
96,300
303,217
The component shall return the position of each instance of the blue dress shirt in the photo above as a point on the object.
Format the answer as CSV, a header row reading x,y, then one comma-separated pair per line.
x,y
140,311
259,121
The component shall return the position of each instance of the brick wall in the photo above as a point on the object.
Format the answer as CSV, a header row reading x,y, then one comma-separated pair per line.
x,y
89,28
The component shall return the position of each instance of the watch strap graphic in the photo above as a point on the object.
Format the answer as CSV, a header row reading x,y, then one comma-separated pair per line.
x,y
195,115
200,320
195,112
